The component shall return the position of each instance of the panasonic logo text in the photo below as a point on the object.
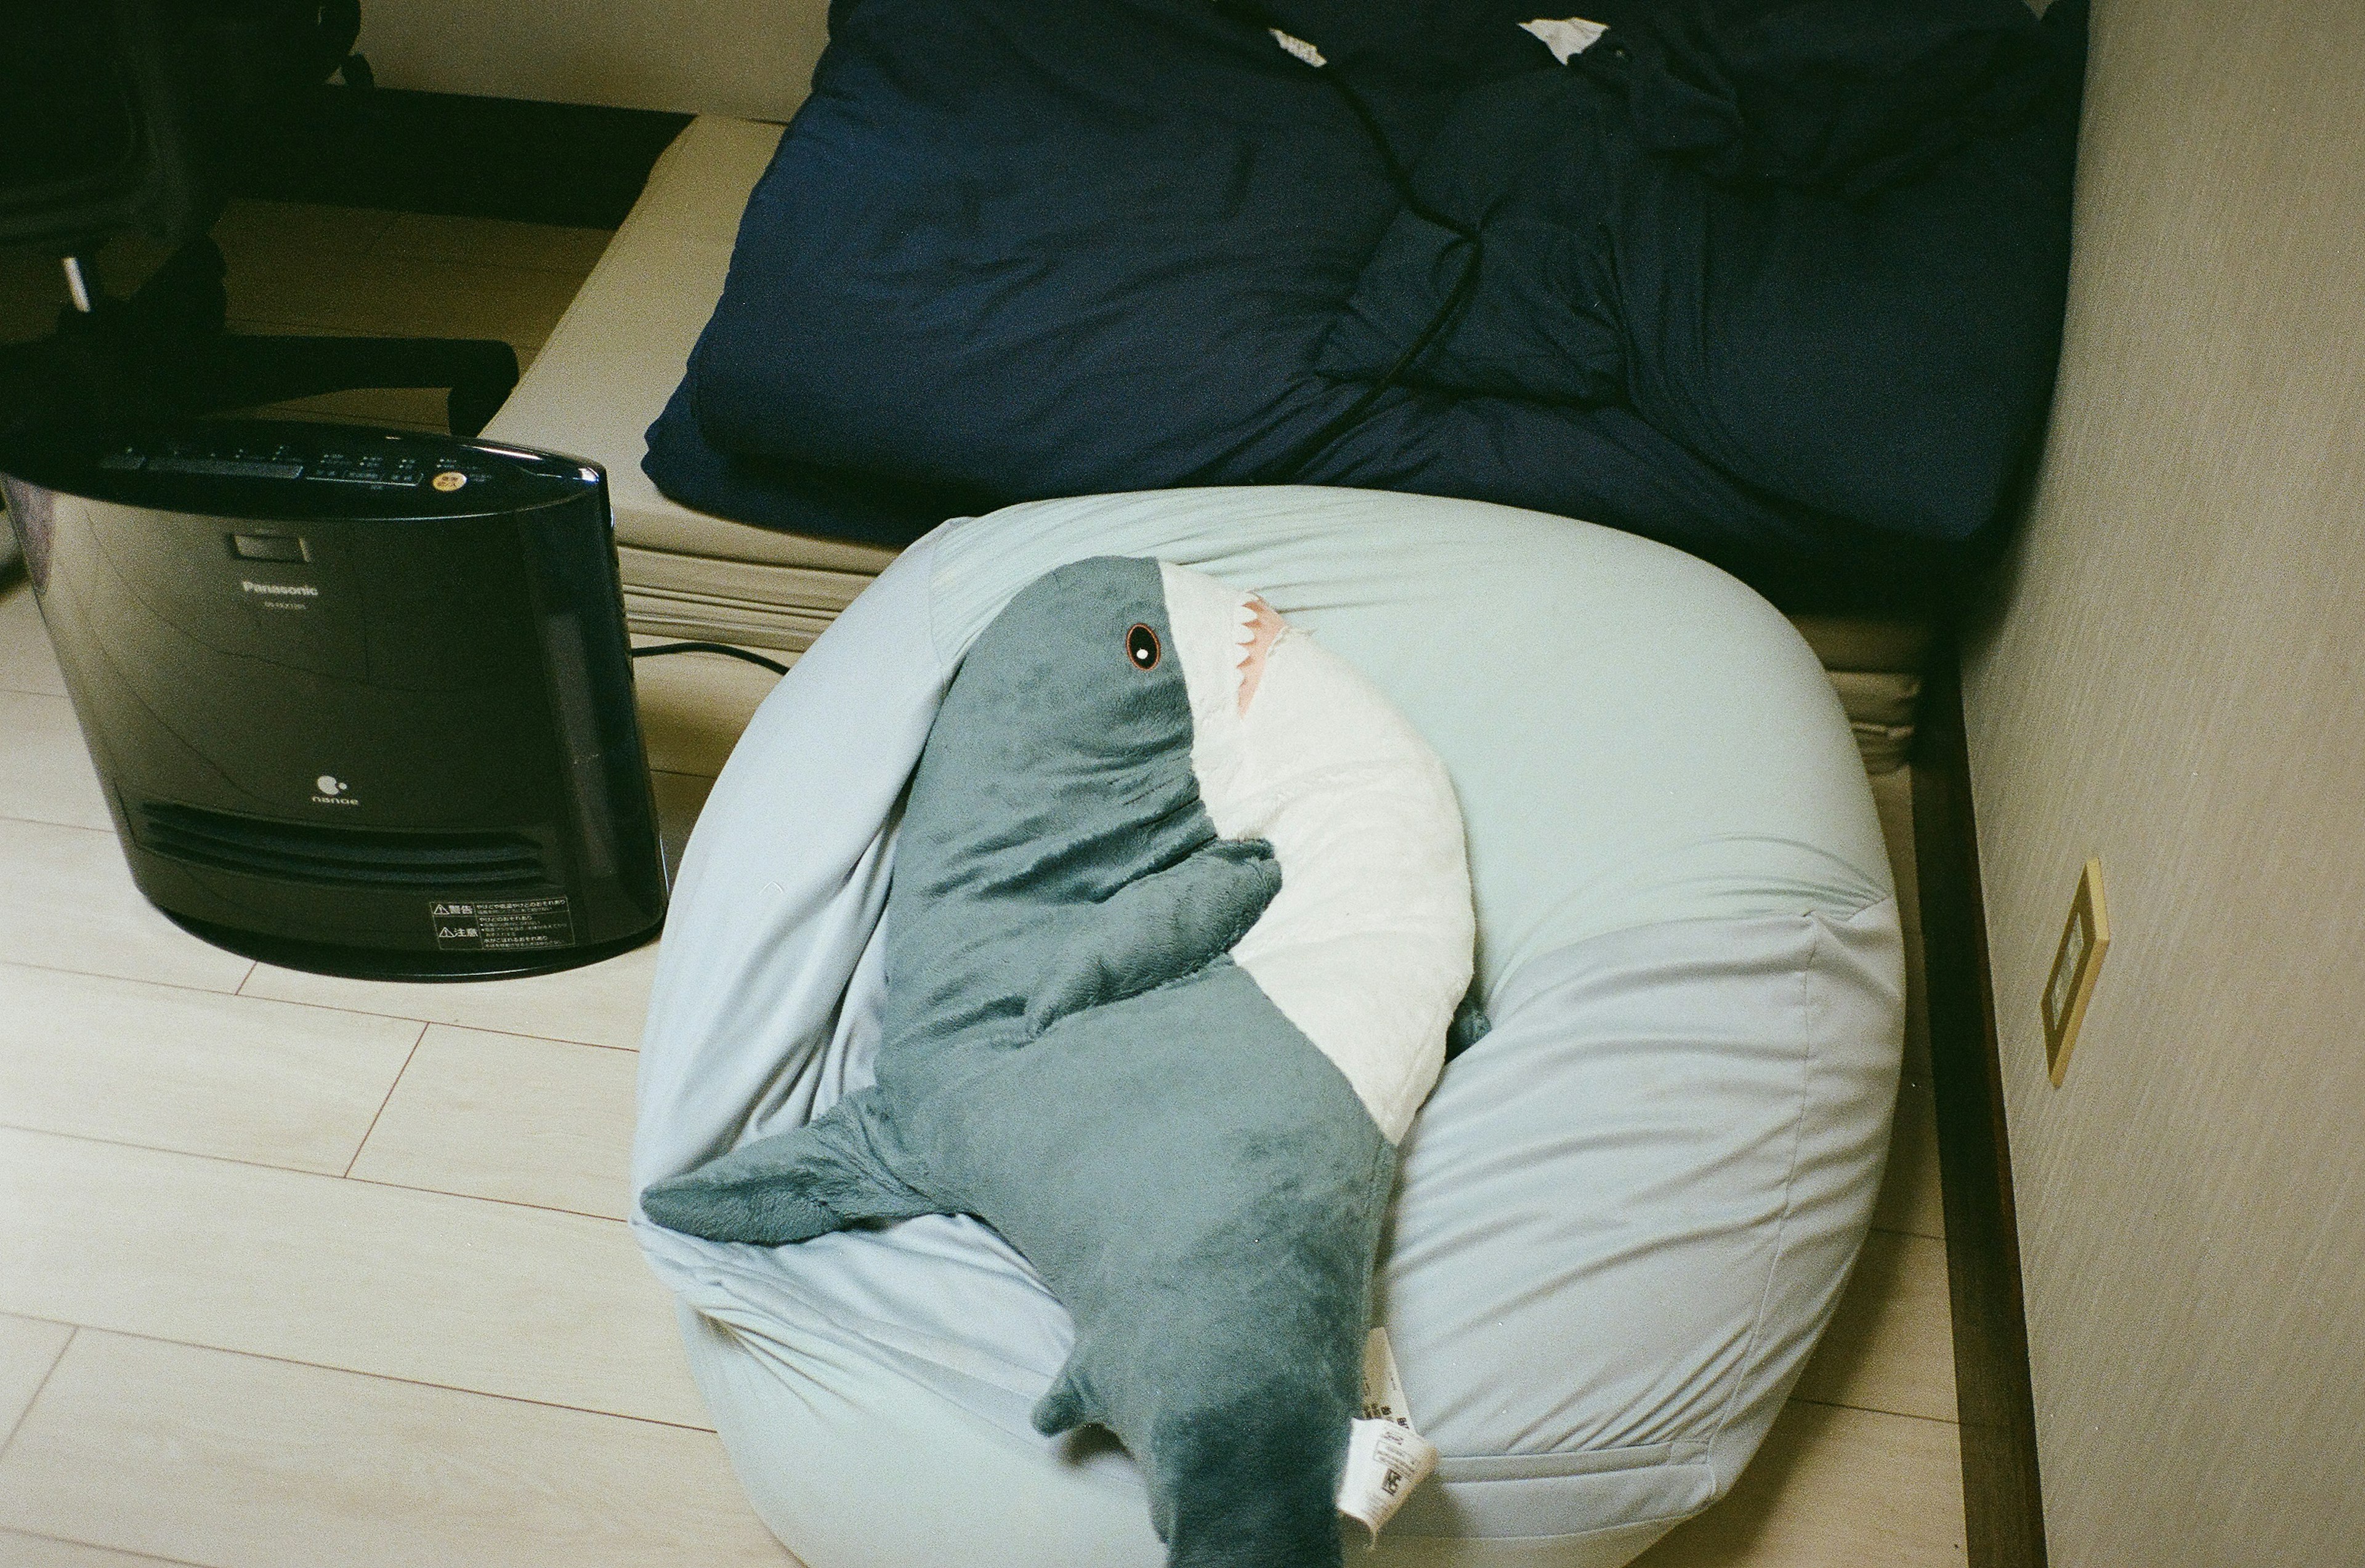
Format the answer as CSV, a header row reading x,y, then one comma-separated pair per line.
x,y
295,590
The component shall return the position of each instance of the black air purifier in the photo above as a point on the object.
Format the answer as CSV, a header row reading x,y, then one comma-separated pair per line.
x,y
361,700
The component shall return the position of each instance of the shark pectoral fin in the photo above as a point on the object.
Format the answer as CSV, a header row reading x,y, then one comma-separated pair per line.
x,y
1065,1407
757,1193
824,1176
1158,929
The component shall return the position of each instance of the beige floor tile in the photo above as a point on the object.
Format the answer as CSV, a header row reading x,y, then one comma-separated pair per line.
x,y
124,263
28,1348
228,1459
193,1070
694,705
19,1550
599,1004
34,283
401,297
494,242
45,771
249,228
457,1292
27,661
680,797
270,327
403,407
67,903
1890,1347
525,349
503,1117
1834,1488
1909,1197
32,292
422,408
1910,1200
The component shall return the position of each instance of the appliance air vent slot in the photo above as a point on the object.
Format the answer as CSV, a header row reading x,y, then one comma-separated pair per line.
x,y
353,856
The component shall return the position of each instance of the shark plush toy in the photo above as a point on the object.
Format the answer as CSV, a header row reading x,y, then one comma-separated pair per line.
x,y
1179,918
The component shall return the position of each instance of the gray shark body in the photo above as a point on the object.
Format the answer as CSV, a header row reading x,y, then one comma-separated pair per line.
x,y
1071,1053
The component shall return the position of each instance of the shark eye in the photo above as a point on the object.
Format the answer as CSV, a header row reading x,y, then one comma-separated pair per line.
x,y
1141,647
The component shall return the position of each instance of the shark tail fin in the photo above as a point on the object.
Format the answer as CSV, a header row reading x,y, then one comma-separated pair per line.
x,y
835,1172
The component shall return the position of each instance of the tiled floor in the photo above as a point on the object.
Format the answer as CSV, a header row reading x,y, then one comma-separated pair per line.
x,y
353,271
296,1271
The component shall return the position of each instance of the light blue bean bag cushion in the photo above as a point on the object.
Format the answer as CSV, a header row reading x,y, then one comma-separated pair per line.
x,y
1624,1216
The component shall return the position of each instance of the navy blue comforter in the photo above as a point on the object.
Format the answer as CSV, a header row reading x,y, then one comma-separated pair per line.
x,y
1778,282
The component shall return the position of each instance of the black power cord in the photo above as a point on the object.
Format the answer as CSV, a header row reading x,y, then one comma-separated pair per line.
x,y
1465,282
656,648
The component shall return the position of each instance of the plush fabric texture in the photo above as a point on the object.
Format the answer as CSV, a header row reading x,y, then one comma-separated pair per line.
x,y
1169,963
1622,1219
1619,1223
1020,248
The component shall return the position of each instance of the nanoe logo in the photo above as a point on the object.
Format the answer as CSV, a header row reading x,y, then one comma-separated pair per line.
x,y
293,590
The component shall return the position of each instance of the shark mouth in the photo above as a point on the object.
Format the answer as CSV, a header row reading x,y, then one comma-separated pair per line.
x,y
1221,636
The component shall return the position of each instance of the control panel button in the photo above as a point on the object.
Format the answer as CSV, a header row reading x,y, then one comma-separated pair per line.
x,y
339,469
395,465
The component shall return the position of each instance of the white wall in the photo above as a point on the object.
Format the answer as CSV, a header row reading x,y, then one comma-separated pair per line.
x,y
2175,681
752,58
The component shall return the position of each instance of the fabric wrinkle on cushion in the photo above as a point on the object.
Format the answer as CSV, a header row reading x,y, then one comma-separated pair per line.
x,y
1463,1297
1735,1125
1697,812
764,1010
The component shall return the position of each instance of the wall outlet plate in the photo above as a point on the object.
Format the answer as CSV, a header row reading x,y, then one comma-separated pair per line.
x,y
2085,938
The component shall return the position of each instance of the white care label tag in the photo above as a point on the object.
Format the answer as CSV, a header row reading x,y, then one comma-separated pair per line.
x,y
1298,46
1386,1457
1567,38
